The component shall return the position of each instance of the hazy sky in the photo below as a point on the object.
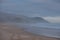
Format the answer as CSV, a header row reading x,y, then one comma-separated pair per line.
x,y
32,7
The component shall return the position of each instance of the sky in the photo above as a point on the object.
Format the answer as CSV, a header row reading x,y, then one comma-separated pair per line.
x,y
45,8
31,7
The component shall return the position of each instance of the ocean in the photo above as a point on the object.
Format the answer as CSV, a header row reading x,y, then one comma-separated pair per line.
x,y
46,29
29,15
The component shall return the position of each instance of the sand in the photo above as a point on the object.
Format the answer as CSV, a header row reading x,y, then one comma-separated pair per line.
x,y
12,32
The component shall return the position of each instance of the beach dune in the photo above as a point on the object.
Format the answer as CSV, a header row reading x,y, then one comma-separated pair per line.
x,y
12,32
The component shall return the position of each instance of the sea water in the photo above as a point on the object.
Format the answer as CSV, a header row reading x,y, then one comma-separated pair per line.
x,y
46,29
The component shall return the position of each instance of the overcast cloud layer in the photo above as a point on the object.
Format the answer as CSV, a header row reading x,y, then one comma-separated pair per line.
x,y
31,7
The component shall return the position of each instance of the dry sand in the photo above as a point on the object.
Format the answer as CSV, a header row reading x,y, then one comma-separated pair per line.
x,y
12,32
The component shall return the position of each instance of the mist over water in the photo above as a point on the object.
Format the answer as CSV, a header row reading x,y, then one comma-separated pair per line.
x,y
33,15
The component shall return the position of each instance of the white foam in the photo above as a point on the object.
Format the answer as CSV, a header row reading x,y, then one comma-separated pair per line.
x,y
53,19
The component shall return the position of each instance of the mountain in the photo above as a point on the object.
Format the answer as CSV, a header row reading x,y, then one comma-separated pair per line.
x,y
38,19
6,17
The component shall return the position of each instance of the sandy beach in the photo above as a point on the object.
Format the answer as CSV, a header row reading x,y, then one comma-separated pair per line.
x,y
12,32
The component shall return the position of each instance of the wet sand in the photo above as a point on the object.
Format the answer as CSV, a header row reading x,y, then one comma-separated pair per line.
x,y
12,32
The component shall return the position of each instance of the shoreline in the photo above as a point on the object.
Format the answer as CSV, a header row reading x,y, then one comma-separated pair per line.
x,y
12,32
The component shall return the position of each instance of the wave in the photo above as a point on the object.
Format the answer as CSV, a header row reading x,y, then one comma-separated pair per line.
x,y
55,19
5,17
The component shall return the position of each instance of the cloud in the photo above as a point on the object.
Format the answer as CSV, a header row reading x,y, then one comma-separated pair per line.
x,y
38,0
38,7
50,4
53,19
57,1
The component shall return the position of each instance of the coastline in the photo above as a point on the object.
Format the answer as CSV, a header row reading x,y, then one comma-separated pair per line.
x,y
12,32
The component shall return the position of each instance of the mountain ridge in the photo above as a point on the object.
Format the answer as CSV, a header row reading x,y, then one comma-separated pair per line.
x,y
5,17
